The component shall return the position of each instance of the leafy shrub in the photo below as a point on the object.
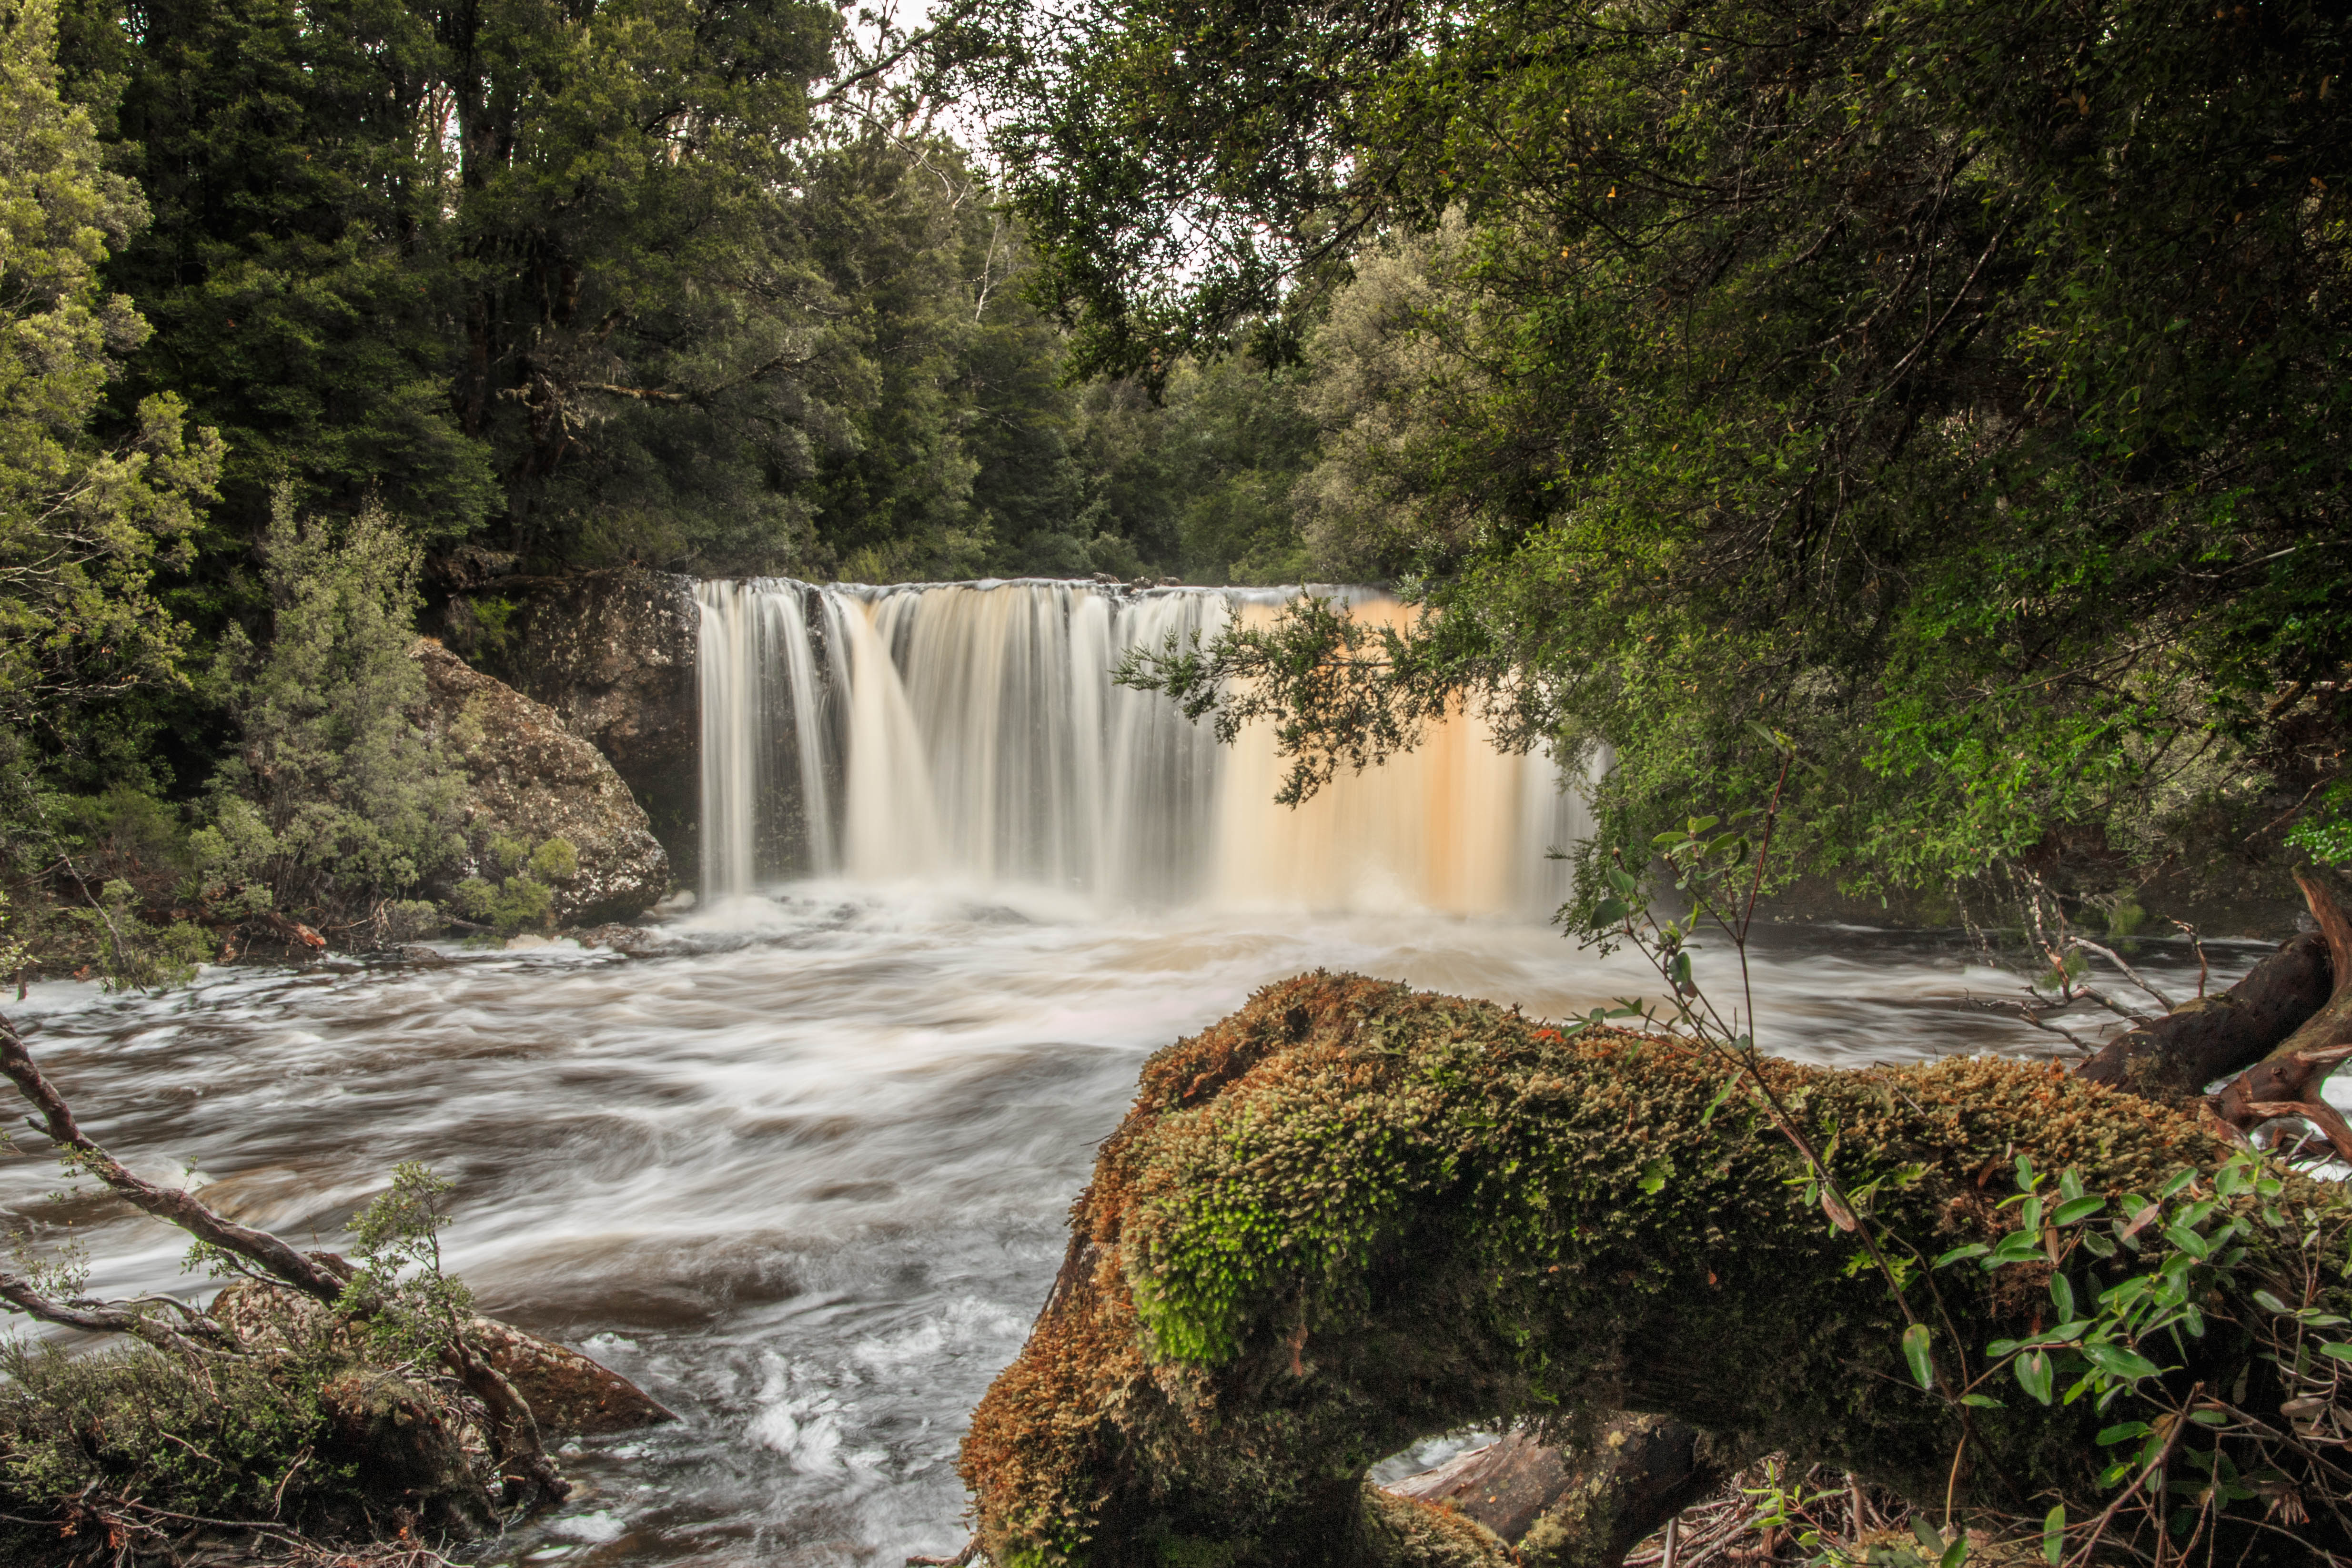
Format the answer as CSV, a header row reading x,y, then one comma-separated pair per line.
x,y
523,896
337,794
2327,835
134,954
135,1421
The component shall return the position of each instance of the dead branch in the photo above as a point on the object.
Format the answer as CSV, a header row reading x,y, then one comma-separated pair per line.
x,y
306,1272
2133,976
102,1317
2196,942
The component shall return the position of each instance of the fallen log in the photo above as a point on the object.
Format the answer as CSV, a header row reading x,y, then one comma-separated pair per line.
x,y
2174,1058
2286,1081
1564,1503
527,1386
1351,1217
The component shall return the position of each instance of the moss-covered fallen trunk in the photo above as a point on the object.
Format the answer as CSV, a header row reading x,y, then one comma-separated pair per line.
x,y
1352,1215
289,1431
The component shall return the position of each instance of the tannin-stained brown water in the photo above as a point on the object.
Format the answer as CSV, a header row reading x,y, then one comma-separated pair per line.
x,y
804,1176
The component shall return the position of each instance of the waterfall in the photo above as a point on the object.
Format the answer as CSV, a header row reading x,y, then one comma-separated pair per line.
x,y
969,734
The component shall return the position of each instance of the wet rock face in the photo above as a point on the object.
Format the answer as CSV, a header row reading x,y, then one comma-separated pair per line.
x,y
613,654
532,780
569,1394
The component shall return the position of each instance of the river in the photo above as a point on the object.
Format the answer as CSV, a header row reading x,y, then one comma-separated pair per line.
x,y
802,1174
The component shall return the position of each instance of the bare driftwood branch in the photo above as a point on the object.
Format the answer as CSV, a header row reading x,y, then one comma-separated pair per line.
x,y
305,1271
100,1317
2133,976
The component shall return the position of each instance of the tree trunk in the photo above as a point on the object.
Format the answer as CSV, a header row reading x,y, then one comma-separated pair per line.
x,y
2286,1081
2173,1058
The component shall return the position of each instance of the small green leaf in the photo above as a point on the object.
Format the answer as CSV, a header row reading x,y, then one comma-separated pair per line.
x,y
2034,1374
1982,1402
2122,1432
2053,1533
1654,1177
2270,1303
2336,1352
2061,1292
2076,1210
2118,1362
1973,1250
1916,1351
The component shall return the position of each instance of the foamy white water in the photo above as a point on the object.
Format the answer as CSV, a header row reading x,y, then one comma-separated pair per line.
x,y
805,1177
971,731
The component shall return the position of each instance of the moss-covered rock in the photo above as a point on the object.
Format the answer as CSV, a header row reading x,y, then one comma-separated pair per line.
x,y
1352,1215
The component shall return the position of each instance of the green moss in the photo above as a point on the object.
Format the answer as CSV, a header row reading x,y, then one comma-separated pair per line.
x,y
1352,1215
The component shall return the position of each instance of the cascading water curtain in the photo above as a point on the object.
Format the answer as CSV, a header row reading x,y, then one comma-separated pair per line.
x,y
971,732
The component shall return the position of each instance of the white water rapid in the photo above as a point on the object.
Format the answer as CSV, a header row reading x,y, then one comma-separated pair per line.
x,y
971,732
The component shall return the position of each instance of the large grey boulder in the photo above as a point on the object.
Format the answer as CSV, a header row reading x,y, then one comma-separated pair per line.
x,y
613,652
532,780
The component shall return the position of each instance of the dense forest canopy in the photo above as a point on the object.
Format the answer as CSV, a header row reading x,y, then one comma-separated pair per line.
x,y
461,295
1954,390
1957,388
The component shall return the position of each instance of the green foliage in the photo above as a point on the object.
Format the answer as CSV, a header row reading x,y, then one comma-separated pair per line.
x,y
2327,835
133,954
336,791
523,896
410,1306
554,862
1955,389
13,950
2134,1283
83,525
139,1422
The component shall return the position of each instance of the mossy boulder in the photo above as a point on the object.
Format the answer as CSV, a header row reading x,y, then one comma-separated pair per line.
x,y
1352,1215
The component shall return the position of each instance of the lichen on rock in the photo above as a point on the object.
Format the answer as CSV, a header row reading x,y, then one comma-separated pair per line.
x,y
534,784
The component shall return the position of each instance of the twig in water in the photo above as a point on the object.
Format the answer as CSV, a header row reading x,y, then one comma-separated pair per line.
x,y
2133,976
2077,1041
2190,932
